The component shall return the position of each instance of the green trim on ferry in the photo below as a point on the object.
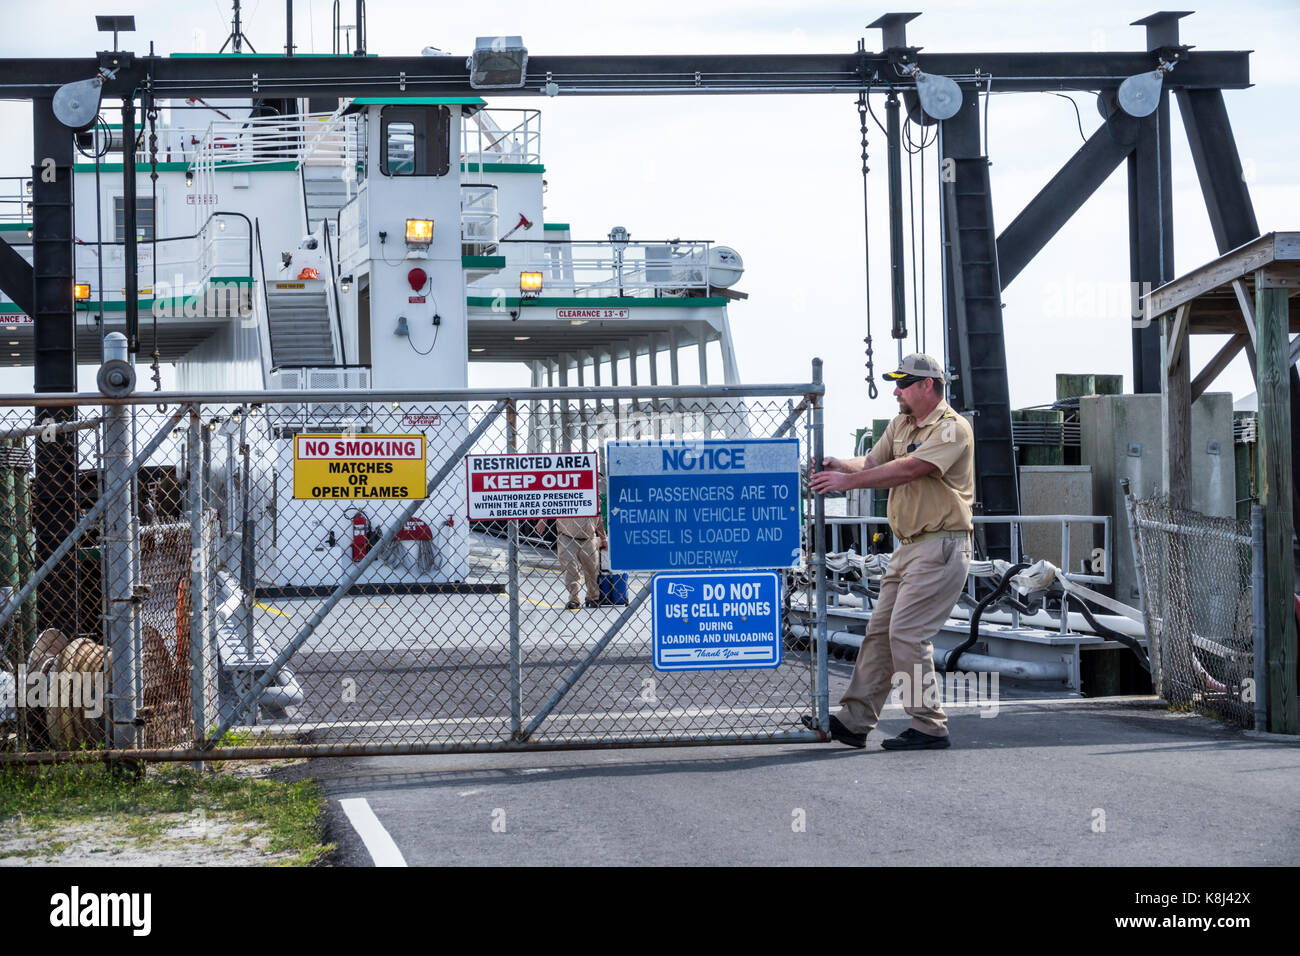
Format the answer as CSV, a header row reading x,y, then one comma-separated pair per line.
x,y
536,168
483,262
555,227
217,282
142,169
15,226
610,302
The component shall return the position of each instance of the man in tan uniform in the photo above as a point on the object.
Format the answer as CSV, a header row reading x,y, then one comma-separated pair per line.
x,y
577,544
926,458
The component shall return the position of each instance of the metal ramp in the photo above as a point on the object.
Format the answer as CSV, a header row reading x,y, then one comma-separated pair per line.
x,y
300,323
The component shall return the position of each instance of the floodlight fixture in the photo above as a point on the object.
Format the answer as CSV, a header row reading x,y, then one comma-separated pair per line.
x,y
498,63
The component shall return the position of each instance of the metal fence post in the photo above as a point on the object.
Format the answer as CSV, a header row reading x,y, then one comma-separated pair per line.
x,y
247,578
516,695
118,562
198,555
1258,585
819,557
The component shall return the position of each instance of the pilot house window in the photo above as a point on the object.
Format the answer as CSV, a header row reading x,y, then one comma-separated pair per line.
x,y
143,218
415,140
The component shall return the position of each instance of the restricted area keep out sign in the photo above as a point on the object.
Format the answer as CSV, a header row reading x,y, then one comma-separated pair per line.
x,y
358,467
513,487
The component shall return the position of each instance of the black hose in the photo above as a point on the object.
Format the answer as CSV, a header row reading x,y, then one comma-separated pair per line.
x,y
965,645
1107,632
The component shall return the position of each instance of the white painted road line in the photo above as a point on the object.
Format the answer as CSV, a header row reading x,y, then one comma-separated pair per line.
x,y
381,846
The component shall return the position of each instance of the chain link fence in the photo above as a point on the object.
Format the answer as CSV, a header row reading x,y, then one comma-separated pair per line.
x,y
247,607
1196,587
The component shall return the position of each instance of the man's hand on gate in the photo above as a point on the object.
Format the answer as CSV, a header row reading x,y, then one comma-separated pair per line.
x,y
824,481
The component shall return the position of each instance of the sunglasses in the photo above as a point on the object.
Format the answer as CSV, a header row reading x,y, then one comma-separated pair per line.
x,y
908,380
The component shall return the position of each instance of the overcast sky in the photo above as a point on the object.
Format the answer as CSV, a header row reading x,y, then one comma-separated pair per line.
x,y
779,178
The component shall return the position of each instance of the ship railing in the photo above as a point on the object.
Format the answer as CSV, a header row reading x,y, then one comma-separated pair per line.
x,y
266,140
341,416
670,268
478,218
221,249
176,144
1065,540
16,199
511,136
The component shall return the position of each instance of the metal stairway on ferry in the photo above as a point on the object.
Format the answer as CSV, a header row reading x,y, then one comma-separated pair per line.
x,y
300,325
302,322
324,193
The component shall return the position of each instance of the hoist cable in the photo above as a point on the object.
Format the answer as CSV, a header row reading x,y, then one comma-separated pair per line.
x,y
911,235
924,247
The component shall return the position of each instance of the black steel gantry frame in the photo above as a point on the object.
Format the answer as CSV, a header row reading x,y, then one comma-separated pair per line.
x,y
978,263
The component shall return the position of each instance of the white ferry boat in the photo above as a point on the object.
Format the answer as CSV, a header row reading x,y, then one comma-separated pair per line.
x,y
364,244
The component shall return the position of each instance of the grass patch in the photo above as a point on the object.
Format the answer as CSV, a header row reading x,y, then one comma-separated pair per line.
x,y
289,814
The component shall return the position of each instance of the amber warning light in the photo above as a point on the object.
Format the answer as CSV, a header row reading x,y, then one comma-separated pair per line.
x,y
419,232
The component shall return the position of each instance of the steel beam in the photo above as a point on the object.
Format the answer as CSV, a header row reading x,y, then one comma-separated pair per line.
x,y
16,277
1150,240
959,138
897,290
54,492
692,74
1218,167
1063,196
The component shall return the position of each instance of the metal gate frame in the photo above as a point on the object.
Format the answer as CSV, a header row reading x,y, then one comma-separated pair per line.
x,y
115,497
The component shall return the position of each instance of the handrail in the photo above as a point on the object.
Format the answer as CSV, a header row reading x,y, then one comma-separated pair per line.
x,y
196,235
266,297
334,288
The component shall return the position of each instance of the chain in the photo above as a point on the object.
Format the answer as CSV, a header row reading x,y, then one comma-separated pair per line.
x,y
872,391
152,114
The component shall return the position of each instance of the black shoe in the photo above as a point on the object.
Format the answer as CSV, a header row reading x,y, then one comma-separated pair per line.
x,y
838,731
591,603
572,606
911,739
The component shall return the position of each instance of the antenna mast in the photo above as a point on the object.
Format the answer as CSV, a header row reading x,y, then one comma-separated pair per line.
x,y
236,40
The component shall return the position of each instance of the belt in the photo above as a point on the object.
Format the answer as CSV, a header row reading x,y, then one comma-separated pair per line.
x,y
933,534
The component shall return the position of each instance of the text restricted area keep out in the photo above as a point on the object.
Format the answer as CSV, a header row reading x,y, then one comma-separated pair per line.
x,y
512,487
358,467
718,505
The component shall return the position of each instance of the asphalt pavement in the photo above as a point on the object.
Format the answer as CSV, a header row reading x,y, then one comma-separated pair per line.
x,y
1044,780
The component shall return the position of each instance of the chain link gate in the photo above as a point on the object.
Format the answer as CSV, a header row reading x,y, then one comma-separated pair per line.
x,y
260,624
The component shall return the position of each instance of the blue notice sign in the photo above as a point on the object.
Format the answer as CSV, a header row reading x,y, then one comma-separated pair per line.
x,y
716,621
720,505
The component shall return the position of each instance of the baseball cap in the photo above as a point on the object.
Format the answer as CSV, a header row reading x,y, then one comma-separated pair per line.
x,y
918,366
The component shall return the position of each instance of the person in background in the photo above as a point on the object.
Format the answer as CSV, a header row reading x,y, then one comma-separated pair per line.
x,y
577,544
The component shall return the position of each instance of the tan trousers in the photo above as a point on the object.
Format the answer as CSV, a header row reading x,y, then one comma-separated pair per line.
x,y
578,555
917,594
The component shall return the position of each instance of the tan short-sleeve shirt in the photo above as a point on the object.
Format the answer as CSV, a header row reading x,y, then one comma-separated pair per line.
x,y
580,528
941,500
